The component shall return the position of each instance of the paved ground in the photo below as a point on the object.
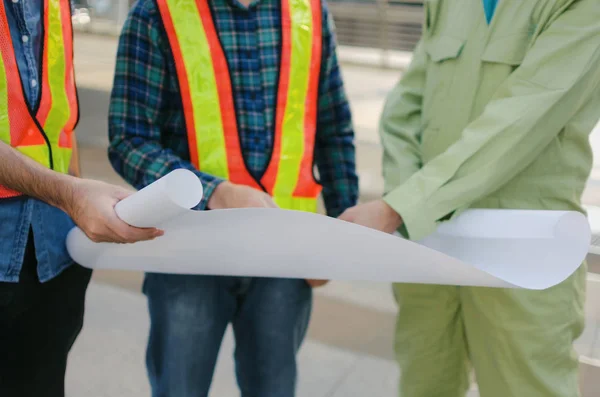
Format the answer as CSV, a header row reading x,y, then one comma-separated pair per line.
x,y
349,347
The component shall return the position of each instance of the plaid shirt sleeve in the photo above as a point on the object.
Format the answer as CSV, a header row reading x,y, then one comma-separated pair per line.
x,y
140,106
334,150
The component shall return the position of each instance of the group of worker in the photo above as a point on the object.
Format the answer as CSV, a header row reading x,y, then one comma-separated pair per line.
x,y
494,111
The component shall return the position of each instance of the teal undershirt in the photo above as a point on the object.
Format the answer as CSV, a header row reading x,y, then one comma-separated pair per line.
x,y
489,6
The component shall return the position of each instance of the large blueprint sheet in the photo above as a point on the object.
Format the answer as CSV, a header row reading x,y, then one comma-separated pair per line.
x,y
495,248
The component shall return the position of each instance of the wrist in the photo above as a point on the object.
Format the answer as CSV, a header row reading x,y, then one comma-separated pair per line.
x,y
65,196
394,218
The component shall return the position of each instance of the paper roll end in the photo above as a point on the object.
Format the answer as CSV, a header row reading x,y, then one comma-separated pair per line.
x,y
184,188
574,226
78,245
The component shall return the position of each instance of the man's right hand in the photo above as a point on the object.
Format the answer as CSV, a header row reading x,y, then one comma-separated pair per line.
x,y
230,195
91,205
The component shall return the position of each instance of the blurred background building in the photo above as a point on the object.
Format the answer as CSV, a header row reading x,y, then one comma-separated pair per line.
x,y
383,25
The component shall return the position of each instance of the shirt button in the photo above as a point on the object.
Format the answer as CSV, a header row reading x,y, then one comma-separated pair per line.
x,y
25,39
34,83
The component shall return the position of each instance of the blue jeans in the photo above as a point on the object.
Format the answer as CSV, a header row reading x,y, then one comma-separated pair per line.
x,y
189,315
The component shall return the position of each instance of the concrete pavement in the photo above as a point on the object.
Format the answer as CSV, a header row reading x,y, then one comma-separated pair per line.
x,y
108,358
349,348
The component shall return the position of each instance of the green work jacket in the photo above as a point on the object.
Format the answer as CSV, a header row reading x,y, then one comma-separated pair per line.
x,y
493,115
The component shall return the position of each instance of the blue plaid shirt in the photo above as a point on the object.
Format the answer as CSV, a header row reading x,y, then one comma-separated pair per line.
x,y
146,122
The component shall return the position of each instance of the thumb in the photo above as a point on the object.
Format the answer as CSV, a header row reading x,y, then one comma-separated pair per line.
x,y
121,194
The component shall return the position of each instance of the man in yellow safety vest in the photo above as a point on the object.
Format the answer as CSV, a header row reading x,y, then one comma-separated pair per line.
x,y
248,96
41,291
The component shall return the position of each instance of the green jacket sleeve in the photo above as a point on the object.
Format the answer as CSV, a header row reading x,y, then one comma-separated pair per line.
x,y
560,72
400,124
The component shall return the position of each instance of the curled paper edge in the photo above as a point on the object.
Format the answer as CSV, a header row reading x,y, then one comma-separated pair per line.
x,y
548,250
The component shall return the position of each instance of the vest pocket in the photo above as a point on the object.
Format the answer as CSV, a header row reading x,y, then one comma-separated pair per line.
x,y
508,50
443,48
443,53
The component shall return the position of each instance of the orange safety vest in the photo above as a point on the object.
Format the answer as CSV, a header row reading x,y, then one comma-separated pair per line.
x,y
205,86
43,135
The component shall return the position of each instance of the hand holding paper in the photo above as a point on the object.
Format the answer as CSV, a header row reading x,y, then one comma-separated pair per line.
x,y
229,195
375,215
493,248
92,207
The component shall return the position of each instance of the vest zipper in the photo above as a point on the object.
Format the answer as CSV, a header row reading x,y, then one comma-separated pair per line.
x,y
51,162
37,123
41,83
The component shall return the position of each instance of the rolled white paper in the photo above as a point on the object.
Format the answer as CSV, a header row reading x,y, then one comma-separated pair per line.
x,y
162,200
494,248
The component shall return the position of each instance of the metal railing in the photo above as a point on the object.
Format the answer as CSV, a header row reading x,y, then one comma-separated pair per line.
x,y
382,24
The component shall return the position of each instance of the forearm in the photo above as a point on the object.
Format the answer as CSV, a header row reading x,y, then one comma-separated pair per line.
x,y
24,175
337,172
144,105
335,153
400,124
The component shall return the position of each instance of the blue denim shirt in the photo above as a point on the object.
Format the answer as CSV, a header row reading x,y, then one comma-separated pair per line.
x,y
17,216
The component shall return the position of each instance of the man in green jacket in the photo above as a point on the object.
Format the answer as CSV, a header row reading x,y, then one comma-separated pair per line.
x,y
494,111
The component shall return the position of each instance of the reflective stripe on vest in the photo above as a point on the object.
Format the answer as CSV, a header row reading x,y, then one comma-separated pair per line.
x,y
206,90
45,137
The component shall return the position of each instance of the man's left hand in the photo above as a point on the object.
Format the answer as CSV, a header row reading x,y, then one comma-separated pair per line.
x,y
375,215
